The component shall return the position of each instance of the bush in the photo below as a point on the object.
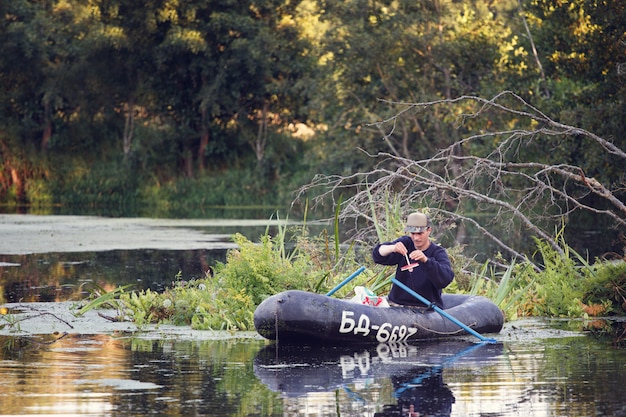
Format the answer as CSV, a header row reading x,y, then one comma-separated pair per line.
x,y
554,290
227,300
557,288
605,292
230,188
96,187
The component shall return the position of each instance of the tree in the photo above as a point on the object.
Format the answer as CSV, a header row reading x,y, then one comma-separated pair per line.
x,y
384,53
229,63
36,76
581,44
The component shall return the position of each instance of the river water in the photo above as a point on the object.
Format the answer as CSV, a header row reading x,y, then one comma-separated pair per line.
x,y
106,375
537,368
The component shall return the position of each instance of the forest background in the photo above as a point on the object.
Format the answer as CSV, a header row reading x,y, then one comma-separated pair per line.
x,y
164,108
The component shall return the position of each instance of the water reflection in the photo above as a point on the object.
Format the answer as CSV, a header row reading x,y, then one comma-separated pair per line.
x,y
119,374
70,276
103,375
564,376
407,379
569,376
421,392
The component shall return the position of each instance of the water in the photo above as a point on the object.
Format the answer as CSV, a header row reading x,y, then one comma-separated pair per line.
x,y
56,258
104,375
46,277
538,368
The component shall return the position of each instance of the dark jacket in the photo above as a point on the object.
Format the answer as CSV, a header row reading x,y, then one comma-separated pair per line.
x,y
428,279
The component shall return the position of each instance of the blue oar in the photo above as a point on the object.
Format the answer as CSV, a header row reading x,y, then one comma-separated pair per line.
x,y
432,371
345,281
443,313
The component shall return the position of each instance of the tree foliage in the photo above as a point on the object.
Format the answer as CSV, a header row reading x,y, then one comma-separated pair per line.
x,y
169,86
280,90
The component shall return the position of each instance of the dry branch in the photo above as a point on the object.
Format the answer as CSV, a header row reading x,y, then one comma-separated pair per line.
x,y
535,196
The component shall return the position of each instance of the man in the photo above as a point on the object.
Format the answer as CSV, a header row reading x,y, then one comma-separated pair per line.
x,y
420,391
433,271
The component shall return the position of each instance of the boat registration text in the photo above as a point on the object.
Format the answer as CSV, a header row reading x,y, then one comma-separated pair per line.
x,y
385,332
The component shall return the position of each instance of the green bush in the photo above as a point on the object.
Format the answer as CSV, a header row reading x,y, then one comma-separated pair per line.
x,y
229,188
227,300
96,187
605,292
557,288
261,270
553,286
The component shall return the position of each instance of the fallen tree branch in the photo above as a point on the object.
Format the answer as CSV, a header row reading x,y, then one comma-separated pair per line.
x,y
468,175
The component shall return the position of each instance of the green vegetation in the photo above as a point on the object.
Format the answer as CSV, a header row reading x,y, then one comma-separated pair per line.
x,y
226,299
120,106
565,286
506,117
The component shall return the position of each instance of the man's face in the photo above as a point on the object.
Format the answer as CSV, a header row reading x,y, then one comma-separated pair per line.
x,y
421,239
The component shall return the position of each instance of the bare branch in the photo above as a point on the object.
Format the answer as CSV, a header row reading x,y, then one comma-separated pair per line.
x,y
518,194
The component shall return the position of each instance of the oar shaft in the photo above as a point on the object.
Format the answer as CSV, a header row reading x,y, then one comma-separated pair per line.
x,y
345,281
443,312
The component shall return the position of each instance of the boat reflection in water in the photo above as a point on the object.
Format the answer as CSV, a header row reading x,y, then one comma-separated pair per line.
x,y
383,380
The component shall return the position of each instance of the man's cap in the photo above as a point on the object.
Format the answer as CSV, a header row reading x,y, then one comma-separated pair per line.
x,y
417,222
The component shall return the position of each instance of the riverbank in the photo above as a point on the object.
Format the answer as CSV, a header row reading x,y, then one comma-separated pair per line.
x,y
56,320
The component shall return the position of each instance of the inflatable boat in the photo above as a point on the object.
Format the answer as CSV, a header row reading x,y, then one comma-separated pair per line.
x,y
303,317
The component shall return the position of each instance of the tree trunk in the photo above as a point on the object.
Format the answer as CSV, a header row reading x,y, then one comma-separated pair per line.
x,y
261,139
188,162
47,128
20,187
204,141
129,126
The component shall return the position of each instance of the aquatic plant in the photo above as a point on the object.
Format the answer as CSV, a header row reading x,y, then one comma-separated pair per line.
x,y
505,289
566,285
226,298
99,298
8,319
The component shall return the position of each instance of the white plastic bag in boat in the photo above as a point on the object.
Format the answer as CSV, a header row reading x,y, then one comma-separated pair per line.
x,y
365,296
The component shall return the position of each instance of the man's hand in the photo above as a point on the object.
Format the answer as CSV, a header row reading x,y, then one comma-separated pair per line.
x,y
418,255
399,247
